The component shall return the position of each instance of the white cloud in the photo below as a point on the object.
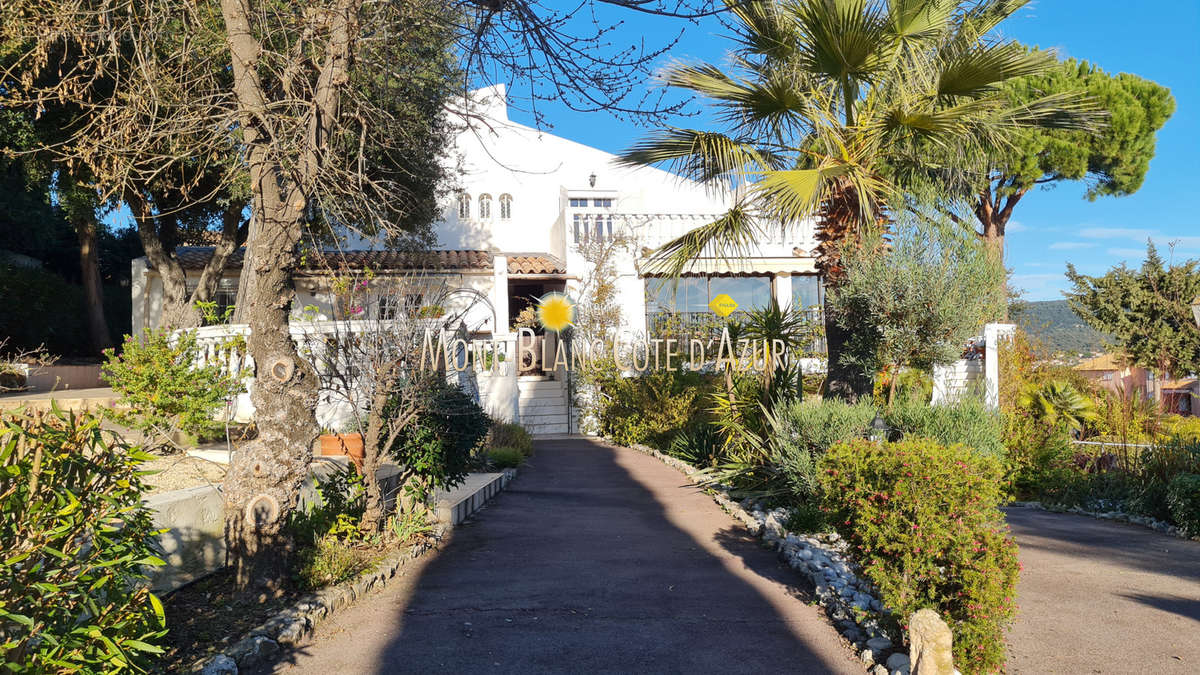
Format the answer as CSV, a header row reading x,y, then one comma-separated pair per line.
x,y
1071,245
1016,226
1117,233
1129,254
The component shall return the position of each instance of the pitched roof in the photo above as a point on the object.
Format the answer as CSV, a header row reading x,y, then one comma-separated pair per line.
x,y
196,257
1106,361
535,264
1182,383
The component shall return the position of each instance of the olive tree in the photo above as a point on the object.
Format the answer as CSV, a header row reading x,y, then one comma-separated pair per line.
x,y
915,293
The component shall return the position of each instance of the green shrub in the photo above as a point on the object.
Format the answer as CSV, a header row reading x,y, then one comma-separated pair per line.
x,y
506,458
330,561
651,408
700,447
1178,426
436,450
817,425
508,435
329,541
162,388
802,432
923,520
967,421
1183,501
336,506
74,537
1155,468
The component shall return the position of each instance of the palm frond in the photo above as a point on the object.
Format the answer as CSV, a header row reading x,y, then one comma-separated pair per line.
x,y
920,19
983,17
791,195
769,104
982,67
729,236
846,41
1066,110
762,29
699,155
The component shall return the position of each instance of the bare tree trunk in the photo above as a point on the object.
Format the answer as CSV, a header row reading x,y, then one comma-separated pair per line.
x,y
264,479
177,312
993,212
246,282
89,268
230,238
263,483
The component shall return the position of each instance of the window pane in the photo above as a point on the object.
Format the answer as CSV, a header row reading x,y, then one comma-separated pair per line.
x,y
748,292
806,291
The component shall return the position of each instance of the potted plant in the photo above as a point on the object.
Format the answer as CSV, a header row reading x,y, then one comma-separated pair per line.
x,y
336,442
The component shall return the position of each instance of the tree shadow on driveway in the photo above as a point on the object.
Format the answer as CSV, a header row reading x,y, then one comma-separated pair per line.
x,y
596,559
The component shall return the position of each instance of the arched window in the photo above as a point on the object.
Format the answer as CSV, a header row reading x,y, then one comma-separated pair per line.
x,y
485,206
464,206
505,206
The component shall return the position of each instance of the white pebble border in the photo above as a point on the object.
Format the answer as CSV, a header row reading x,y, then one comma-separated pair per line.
x,y
1110,510
851,602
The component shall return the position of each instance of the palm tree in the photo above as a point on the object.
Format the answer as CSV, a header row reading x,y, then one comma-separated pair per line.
x,y
832,109
1059,402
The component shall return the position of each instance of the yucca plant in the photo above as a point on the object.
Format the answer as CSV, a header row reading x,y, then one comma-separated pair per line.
x,y
831,108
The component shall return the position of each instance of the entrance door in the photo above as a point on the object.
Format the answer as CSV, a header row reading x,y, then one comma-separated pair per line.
x,y
523,295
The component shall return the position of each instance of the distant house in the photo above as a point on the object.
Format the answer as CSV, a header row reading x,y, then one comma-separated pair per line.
x,y
1113,372
1181,396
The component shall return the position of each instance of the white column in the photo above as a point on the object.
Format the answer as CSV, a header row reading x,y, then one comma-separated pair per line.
x,y
783,290
993,333
500,294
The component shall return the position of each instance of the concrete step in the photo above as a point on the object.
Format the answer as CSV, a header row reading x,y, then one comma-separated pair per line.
x,y
547,429
457,504
543,392
542,418
544,406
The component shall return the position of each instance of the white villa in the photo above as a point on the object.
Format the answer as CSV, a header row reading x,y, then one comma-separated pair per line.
x,y
527,200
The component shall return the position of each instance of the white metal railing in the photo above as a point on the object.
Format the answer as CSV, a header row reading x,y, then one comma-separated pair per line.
x,y
655,229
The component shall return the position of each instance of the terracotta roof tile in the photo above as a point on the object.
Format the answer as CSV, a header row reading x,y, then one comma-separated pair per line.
x,y
196,257
535,264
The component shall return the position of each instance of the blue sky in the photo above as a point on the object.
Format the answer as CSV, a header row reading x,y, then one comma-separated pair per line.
x,y
1156,40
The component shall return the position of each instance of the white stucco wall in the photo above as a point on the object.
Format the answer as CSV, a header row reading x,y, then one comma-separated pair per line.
x,y
543,172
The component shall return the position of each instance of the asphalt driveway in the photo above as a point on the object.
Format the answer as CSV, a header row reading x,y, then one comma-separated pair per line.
x,y
596,559
1098,596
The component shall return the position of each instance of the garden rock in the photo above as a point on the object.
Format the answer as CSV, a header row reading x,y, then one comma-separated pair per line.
x,y
253,650
897,661
219,665
930,644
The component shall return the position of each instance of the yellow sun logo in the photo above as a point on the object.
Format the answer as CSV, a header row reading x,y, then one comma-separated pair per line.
x,y
555,312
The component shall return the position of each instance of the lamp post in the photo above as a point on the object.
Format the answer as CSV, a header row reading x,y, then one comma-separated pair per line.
x,y
879,429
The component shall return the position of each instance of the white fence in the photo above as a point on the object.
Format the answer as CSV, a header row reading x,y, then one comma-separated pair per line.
x,y
494,385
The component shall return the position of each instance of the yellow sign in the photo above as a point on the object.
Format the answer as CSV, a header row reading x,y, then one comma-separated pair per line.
x,y
555,312
723,305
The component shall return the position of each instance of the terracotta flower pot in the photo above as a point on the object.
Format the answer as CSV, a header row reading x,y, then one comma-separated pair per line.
x,y
350,445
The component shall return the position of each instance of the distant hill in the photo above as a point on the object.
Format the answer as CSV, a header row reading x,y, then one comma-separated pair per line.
x,y
1057,328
